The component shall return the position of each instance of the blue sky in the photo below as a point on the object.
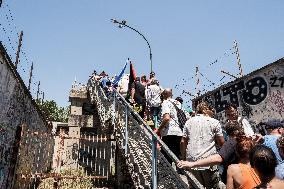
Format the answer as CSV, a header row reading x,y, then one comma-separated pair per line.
x,y
67,39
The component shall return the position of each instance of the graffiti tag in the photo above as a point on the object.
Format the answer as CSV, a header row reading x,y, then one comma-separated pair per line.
x,y
277,82
253,92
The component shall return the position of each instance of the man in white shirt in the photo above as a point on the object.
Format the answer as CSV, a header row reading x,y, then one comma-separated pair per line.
x,y
199,136
153,97
232,115
123,85
169,129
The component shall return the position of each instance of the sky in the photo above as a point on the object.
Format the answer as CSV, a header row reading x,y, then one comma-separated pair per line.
x,y
68,39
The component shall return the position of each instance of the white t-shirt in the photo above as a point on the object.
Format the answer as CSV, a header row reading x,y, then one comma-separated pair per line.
x,y
123,85
172,128
201,131
153,93
246,126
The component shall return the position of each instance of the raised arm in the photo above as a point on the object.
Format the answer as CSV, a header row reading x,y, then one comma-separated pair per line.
x,y
215,159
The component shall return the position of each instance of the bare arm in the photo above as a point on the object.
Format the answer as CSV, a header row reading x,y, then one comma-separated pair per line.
x,y
220,140
132,92
210,160
166,120
183,144
230,180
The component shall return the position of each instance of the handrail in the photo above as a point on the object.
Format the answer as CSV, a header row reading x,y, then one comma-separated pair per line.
x,y
194,181
117,97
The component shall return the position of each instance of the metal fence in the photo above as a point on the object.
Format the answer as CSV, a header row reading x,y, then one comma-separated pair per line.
x,y
147,165
34,156
78,162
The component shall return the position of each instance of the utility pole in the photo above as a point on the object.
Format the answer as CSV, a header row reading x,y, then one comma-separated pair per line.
x,y
238,59
19,49
1,3
31,74
37,93
197,81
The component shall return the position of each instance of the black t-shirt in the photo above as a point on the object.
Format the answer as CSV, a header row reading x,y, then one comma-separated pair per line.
x,y
139,95
227,152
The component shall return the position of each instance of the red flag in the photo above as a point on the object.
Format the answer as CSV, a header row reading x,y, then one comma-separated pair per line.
x,y
132,72
132,77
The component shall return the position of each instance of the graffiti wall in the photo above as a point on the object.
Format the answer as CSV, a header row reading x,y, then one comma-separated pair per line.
x,y
258,95
16,109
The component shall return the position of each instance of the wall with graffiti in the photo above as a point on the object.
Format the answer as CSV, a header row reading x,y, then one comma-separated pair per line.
x,y
16,109
258,95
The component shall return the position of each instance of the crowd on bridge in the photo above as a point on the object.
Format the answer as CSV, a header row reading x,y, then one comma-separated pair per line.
x,y
230,153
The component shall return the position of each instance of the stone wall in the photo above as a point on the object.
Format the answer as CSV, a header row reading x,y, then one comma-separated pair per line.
x,y
17,109
258,95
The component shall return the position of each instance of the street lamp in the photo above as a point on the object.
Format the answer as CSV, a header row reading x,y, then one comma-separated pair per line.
x,y
123,24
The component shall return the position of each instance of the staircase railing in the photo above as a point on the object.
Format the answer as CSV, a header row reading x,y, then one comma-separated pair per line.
x,y
147,165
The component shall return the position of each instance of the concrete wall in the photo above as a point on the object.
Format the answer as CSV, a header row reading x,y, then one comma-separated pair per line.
x,y
259,95
16,109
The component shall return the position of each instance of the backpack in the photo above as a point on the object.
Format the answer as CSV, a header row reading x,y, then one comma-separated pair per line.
x,y
181,116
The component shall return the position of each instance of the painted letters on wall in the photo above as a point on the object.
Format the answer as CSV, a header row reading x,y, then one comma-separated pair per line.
x,y
259,95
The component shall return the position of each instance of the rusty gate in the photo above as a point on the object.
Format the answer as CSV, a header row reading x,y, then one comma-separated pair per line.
x,y
81,162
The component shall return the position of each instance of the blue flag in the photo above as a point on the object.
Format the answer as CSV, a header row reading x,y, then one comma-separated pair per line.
x,y
117,79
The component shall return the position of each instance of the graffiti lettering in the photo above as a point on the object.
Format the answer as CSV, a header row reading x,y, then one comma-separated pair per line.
x,y
232,91
277,82
252,92
256,91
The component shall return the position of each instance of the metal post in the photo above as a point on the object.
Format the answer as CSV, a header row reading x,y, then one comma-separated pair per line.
x,y
154,163
197,81
154,156
31,74
19,49
155,121
37,93
113,109
238,58
42,97
126,130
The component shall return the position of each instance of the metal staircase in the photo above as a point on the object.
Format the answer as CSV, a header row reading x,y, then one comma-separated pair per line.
x,y
138,143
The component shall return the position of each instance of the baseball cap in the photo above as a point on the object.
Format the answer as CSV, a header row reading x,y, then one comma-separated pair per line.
x,y
273,124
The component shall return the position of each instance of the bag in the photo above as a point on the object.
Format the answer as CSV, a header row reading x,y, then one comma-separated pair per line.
x,y
181,116
137,107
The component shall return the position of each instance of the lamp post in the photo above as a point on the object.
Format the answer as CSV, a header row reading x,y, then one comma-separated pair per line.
x,y
123,24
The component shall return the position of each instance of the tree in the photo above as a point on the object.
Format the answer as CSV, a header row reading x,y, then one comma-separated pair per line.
x,y
52,111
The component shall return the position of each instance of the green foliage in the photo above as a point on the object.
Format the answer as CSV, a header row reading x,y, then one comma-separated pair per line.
x,y
52,111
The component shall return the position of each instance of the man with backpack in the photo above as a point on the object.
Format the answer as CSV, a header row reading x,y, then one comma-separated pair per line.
x,y
182,114
170,130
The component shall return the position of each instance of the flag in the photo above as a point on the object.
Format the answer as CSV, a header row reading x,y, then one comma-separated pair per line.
x,y
132,77
118,78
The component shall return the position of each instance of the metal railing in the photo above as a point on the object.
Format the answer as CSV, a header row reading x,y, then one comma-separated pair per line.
x,y
147,165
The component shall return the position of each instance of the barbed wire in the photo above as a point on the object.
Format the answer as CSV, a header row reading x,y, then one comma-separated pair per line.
x,y
207,84
9,40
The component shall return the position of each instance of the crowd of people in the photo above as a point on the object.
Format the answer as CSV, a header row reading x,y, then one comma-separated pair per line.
x,y
219,154
249,160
